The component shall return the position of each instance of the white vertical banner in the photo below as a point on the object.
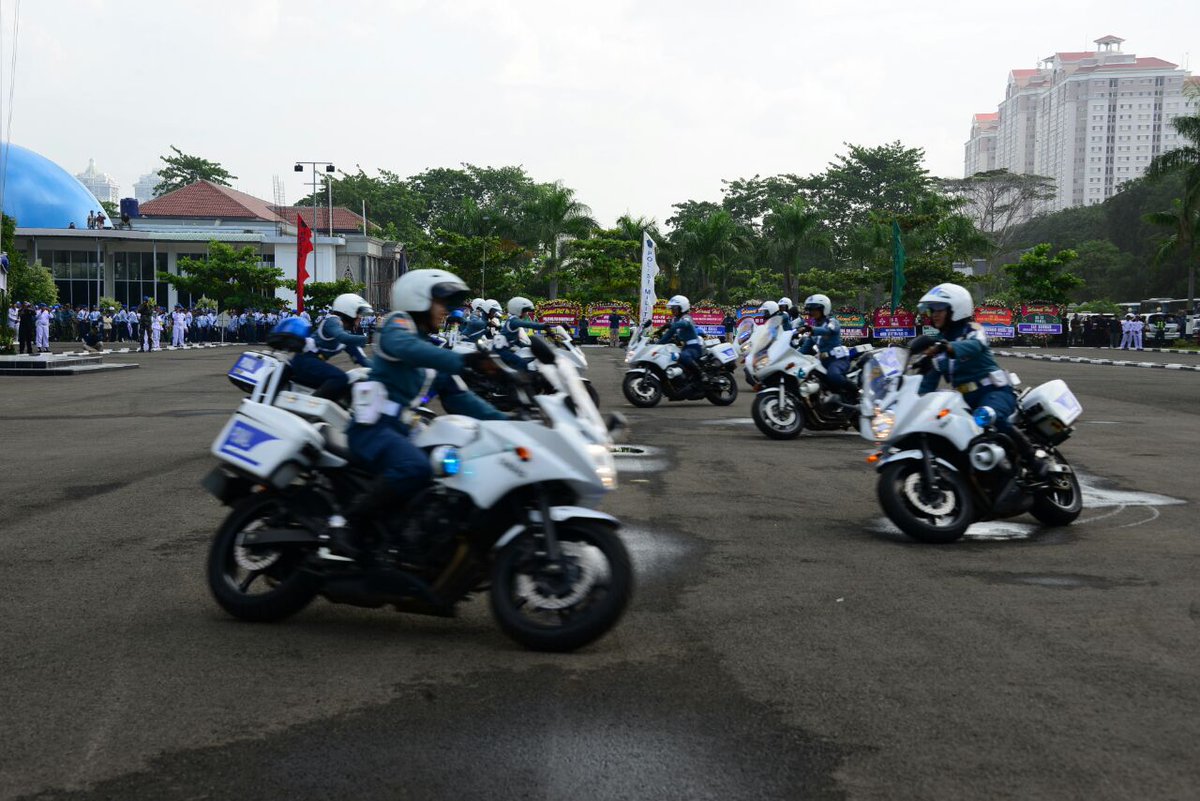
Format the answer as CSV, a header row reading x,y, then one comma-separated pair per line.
x,y
649,271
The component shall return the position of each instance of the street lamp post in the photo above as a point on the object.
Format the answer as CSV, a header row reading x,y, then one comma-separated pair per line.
x,y
329,168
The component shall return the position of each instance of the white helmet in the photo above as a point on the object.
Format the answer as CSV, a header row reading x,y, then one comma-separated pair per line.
x,y
770,308
491,306
681,302
518,305
415,290
351,305
1129,316
948,296
785,303
477,305
822,301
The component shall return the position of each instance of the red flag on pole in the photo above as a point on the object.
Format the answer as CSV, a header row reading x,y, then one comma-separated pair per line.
x,y
304,246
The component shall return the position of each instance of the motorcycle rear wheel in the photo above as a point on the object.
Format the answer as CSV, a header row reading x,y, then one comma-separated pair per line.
x,y
724,391
942,518
545,608
234,570
773,419
643,390
1062,503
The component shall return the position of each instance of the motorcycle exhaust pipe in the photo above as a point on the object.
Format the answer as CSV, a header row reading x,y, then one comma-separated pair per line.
x,y
987,456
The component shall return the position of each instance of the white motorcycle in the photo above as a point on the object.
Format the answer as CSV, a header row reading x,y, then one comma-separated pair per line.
x,y
942,467
793,389
654,372
501,393
509,512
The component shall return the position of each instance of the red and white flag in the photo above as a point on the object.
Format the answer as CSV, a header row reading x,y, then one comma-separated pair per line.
x,y
304,246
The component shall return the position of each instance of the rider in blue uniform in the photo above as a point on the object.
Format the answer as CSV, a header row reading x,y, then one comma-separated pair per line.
x,y
329,338
962,356
683,331
476,324
519,311
825,342
406,369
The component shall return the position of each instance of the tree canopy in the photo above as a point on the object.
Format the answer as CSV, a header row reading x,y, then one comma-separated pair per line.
x,y
182,169
233,278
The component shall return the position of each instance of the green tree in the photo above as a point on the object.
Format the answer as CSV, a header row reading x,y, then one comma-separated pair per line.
x,y
552,217
603,268
1107,271
1183,220
32,283
796,231
182,169
390,203
319,294
999,200
709,249
485,263
1040,276
233,278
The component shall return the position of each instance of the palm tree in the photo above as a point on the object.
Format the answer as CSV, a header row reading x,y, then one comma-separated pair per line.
x,y
554,216
1184,219
796,231
708,246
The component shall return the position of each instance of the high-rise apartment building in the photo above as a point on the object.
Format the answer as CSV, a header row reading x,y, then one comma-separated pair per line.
x,y
1090,120
143,188
100,184
981,147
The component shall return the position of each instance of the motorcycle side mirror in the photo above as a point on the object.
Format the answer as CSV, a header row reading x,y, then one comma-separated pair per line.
x,y
541,350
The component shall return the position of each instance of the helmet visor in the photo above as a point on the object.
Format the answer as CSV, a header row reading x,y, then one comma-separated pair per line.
x,y
450,293
932,306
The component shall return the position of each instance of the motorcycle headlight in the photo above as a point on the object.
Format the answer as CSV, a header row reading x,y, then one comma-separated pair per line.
x,y
760,361
604,464
445,461
881,425
629,357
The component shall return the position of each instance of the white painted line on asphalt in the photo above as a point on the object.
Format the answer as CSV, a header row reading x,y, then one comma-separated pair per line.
x,y
651,552
729,421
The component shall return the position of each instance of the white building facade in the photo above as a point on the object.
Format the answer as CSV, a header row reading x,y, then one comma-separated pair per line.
x,y
1090,120
143,188
100,184
981,147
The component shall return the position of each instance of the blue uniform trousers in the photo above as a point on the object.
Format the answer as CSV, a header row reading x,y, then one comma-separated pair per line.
x,y
385,450
835,372
1002,400
311,371
688,357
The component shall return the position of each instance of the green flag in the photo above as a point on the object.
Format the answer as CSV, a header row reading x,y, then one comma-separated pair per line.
x,y
897,266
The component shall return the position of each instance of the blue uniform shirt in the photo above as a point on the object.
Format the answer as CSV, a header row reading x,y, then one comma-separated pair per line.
x,y
682,331
972,360
826,339
402,360
512,326
331,339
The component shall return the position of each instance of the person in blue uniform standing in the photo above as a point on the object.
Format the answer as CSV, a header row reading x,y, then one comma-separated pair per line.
x,y
406,369
682,330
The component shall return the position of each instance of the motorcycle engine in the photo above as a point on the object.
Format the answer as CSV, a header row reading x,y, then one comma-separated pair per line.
x,y
435,518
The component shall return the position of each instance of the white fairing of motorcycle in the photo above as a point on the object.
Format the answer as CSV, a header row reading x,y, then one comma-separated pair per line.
x,y
496,456
891,407
268,443
771,352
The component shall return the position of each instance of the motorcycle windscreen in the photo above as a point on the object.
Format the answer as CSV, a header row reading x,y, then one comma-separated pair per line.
x,y
880,378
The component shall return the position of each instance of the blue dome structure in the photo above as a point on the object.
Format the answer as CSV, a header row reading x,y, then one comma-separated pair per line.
x,y
40,194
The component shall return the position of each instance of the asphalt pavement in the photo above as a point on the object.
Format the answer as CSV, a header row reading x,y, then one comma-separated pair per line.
x,y
783,643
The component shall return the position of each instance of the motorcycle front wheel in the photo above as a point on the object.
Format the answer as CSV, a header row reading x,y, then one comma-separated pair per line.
x,y
642,389
776,419
1062,502
564,604
722,390
936,515
259,584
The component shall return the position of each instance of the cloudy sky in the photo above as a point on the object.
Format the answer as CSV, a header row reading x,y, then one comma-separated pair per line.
x,y
635,105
